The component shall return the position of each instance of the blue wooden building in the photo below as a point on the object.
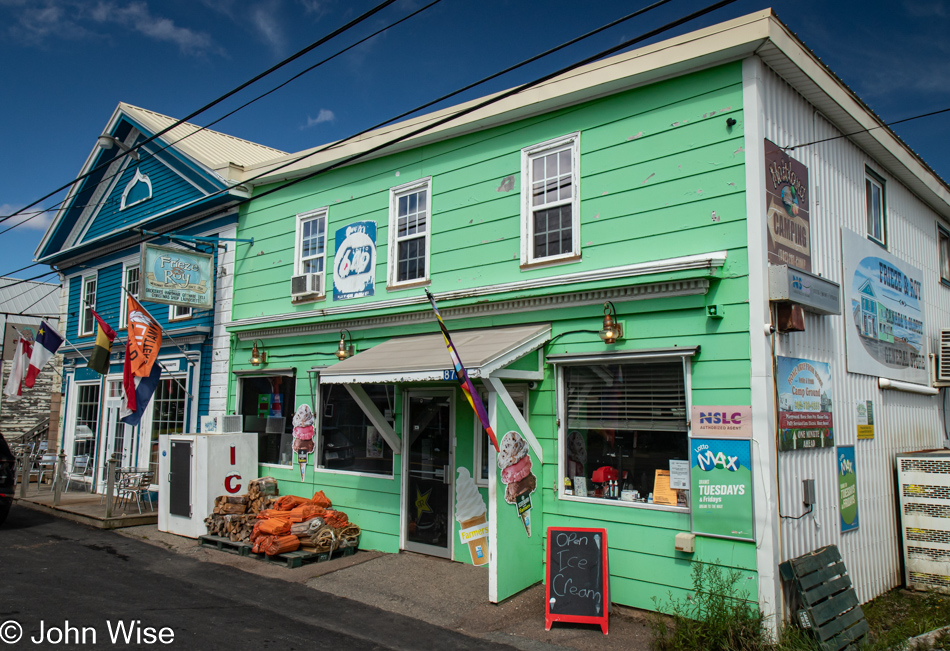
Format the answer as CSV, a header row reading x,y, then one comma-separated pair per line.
x,y
183,184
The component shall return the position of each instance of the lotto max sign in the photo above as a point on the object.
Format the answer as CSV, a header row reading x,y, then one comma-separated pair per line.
x,y
721,487
722,421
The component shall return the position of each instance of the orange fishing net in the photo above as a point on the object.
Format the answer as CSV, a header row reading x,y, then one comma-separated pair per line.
x,y
320,499
289,502
275,527
336,519
281,545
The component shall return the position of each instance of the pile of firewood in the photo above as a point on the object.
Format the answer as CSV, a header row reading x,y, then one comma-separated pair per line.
x,y
234,516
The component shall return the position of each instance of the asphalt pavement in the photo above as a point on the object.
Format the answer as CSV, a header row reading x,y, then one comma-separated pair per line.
x,y
66,584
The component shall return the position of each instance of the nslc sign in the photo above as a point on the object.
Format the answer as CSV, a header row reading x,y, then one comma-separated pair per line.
x,y
733,422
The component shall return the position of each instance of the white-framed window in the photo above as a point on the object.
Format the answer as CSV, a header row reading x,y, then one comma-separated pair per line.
x,y
346,440
87,303
410,208
267,403
519,394
550,201
179,312
130,281
622,420
87,419
311,243
876,207
943,246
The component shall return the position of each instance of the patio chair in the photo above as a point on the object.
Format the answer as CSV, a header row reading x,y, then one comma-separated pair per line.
x,y
81,470
46,466
134,486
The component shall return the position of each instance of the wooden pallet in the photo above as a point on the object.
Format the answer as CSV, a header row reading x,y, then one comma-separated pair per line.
x,y
301,557
829,607
225,545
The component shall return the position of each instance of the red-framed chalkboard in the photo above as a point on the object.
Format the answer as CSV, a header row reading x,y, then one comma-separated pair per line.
x,y
578,585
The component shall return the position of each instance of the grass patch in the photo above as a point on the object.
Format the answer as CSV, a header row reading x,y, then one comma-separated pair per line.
x,y
900,614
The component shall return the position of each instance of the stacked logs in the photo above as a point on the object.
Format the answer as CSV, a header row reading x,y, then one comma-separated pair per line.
x,y
234,516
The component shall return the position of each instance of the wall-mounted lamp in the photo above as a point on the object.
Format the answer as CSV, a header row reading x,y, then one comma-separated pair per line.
x,y
106,141
345,351
613,329
258,356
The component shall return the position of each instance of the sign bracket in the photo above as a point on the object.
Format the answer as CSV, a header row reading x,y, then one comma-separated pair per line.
x,y
183,240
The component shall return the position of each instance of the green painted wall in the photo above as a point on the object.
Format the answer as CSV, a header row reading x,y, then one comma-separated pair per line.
x,y
662,176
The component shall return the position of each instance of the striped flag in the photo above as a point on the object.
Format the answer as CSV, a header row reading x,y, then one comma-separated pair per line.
x,y
21,360
136,391
48,341
467,388
99,358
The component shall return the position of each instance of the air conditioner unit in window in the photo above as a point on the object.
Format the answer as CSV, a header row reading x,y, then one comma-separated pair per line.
x,y
306,285
231,424
943,363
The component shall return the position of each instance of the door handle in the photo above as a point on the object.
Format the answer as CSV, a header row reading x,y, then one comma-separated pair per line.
x,y
169,478
446,477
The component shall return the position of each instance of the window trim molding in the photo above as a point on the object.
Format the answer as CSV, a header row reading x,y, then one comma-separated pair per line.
x,y
249,374
874,177
174,319
324,212
942,231
392,254
527,230
81,324
123,302
683,355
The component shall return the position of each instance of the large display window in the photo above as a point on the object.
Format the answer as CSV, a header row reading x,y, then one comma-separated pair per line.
x,y
348,439
624,422
267,405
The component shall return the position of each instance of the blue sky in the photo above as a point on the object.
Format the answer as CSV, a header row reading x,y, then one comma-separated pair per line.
x,y
68,63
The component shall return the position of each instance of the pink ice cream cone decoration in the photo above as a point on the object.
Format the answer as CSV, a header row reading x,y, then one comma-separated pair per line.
x,y
303,436
520,482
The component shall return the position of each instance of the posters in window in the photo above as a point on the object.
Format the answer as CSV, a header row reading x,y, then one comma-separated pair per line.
x,y
804,398
787,196
354,265
177,277
721,495
847,489
884,324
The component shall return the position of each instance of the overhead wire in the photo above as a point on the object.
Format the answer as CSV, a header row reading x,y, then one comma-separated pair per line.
x,y
869,129
150,154
368,14
492,100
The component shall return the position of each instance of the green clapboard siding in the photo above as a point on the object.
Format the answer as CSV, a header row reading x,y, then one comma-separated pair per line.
x,y
661,176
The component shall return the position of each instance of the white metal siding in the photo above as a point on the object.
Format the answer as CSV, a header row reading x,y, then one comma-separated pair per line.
x,y
903,421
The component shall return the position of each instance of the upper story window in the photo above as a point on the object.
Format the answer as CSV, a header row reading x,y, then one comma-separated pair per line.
x,y
550,201
179,312
876,206
130,281
87,322
310,254
409,230
943,243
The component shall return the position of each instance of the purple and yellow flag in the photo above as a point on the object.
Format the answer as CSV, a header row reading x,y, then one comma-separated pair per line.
x,y
467,388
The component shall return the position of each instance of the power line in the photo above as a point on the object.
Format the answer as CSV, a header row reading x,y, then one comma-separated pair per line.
x,y
226,115
869,129
382,5
25,292
42,297
16,271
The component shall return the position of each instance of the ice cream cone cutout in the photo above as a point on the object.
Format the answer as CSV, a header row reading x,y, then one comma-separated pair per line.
x,y
303,436
470,513
515,464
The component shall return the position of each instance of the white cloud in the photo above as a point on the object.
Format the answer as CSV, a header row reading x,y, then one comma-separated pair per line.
x,y
138,17
325,115
34,220
263,20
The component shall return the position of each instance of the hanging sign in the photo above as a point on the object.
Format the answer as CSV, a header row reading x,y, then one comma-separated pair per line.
x,y
884,323
577,577
847,489
787,196
804,404
721,476
176,277
354,265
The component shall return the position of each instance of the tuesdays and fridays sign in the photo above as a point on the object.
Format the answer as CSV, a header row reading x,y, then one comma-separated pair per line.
x,y
176,277
722,487
847,489
354,265
884,323
787,196
804,397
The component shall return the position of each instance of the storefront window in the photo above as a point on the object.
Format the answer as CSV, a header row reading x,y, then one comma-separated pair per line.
x,y
625,423
87,419
267,404
168,412
348,439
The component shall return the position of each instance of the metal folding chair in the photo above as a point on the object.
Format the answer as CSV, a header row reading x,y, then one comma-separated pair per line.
x,y
81,470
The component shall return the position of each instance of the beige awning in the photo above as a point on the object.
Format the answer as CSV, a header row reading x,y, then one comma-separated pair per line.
x,y
424,357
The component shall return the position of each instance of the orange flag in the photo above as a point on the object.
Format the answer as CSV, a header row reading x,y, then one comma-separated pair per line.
x,y
145,339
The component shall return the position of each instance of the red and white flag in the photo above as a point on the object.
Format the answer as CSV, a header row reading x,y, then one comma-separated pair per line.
x,y
19,364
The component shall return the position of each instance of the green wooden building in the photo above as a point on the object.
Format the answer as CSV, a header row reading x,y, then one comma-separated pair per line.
x,y
599,248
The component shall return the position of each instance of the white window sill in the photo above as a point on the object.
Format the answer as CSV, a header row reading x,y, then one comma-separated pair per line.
x,y
629,505
332,471
550,262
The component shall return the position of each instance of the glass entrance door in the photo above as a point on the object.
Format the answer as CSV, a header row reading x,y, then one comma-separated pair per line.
x,y
428,470
117,436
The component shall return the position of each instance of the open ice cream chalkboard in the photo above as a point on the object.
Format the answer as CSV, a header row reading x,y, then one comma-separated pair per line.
x,y
577,577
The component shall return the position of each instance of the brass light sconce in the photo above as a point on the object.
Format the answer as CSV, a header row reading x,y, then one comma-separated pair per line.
x,y
258,355
613,329
345,350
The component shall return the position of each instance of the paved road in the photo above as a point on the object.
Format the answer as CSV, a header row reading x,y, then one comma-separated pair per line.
x,y
53,571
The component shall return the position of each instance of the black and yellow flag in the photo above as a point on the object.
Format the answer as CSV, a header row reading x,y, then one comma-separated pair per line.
x,y
99,359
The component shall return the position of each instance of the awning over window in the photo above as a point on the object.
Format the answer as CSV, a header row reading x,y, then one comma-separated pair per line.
x,y
425,357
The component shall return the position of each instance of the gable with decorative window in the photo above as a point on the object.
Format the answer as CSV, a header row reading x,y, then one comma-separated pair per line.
x,y
550,201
